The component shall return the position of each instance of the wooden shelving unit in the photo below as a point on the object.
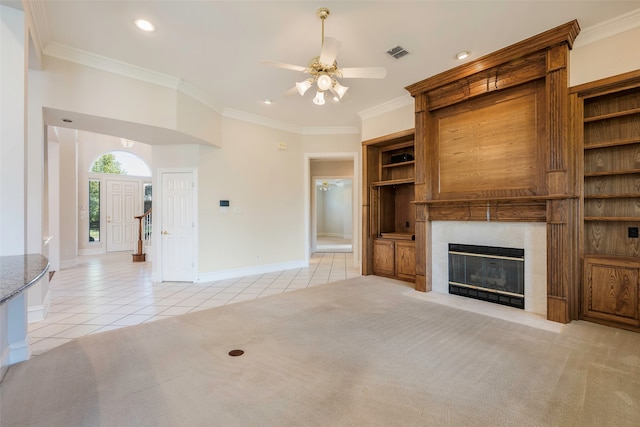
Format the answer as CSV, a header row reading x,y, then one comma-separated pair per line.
x,y
610,129
389,215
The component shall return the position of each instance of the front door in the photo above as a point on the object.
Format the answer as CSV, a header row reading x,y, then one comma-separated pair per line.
x,y
178,227
123,199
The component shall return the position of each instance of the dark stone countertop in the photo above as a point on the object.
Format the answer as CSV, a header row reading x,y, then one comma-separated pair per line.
x,y
18,272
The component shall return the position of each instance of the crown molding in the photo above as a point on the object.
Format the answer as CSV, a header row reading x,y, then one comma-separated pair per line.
x,y
611,27
194,92
259,120
104,63
385,107
40,28
334,130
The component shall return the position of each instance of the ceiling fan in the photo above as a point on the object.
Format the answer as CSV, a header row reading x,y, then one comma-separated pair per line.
x,y
324,71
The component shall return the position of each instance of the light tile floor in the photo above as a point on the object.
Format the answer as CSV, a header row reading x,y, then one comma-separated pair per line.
x,y
110,291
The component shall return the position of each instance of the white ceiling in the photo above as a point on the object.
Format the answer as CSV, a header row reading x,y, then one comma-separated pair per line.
x,y
216,46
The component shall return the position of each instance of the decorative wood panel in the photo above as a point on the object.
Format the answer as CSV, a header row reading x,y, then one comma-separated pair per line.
x,y
406,260
490,148
611,290
384,257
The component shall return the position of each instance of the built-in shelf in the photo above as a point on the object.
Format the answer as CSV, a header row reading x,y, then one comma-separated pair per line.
x,y
612,115
613,218
612,172
393,182
614,143
396,165
612,196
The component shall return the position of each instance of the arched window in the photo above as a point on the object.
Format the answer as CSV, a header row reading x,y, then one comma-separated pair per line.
x,y
120,163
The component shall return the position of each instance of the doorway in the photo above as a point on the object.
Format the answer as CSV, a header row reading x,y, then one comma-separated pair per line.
x,y
333,165
333,214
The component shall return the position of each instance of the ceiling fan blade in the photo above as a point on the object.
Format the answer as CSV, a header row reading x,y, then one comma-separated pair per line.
x,y
291,92
283,65
330,48
364,73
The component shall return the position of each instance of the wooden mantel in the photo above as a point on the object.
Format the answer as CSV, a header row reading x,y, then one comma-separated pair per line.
x,y
494,131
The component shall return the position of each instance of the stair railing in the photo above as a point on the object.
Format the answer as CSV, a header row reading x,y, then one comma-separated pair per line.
x,y
144,234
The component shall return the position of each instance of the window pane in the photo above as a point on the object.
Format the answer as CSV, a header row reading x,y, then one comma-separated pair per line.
x,y
94,211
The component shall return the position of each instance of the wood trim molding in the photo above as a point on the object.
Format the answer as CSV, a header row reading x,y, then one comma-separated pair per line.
x,y
565,33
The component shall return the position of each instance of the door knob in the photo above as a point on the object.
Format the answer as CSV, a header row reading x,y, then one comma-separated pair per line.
x,y
164,233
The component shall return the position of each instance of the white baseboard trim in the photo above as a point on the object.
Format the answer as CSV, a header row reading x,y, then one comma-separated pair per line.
x,y
68,263
38,313
19,351
249,271
339,235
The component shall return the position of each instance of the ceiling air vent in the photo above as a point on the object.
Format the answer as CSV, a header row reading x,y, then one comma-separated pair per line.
x,y
397,52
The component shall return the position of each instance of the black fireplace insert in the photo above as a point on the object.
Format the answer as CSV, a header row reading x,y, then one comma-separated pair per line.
x,y
487,273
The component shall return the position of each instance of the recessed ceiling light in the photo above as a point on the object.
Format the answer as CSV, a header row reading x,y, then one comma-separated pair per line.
x,y
267,101
463,55
145,25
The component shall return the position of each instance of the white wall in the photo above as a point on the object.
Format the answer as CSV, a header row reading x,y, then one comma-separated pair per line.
x,y
605,58
13,180
264,224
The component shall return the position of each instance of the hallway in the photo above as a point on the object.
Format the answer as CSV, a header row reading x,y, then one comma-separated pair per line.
x,y
108,292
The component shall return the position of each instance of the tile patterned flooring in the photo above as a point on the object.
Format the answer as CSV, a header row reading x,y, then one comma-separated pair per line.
x,y
110,291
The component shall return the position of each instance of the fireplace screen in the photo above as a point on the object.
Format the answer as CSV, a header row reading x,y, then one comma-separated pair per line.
x,y
488,273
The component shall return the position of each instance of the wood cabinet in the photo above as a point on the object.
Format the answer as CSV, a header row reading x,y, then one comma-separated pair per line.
x,y
388,211
611,290
394,258
608,112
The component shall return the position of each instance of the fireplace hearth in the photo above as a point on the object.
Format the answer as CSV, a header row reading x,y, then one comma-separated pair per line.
x,y
488,273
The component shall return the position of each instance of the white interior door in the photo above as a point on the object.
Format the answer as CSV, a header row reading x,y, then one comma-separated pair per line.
x,y
123,198
178,226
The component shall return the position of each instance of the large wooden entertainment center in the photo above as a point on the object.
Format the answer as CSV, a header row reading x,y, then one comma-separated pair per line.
x,y
503,138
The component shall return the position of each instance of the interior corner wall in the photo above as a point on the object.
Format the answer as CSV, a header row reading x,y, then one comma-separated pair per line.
x,y
196,119
605,58
397,120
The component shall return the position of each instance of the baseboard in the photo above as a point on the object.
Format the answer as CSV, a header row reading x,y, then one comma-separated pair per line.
x,y
38,313
338,235
249,271
68,263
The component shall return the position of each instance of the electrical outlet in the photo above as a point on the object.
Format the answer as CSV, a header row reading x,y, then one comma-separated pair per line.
x,y
406,224
632,232
282,146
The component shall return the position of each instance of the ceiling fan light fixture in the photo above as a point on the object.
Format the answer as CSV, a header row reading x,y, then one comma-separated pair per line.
x,y
319,98
324,82
303,86
339,89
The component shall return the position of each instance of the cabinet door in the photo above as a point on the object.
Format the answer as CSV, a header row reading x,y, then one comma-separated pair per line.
x,y
406,260
383,257
611,290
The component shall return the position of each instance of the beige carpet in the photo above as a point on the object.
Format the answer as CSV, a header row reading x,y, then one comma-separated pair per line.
x,y
360,352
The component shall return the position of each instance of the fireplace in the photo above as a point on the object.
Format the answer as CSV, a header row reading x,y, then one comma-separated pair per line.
x,y
488,273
